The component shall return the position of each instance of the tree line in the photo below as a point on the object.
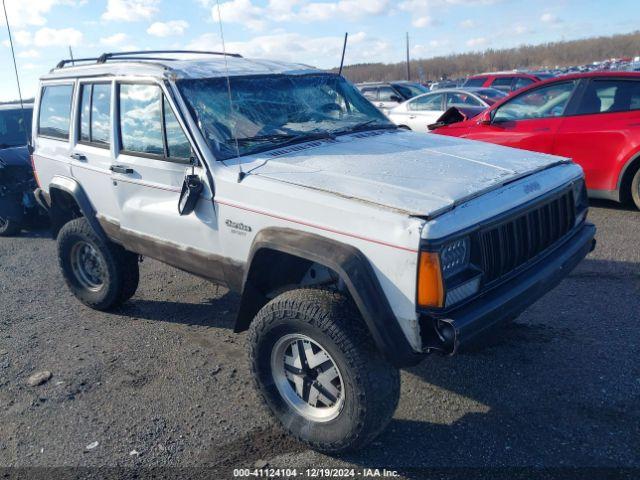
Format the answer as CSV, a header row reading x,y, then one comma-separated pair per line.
x,y
531,57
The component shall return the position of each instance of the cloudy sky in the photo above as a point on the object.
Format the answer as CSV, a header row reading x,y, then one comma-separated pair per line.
x,y
309,31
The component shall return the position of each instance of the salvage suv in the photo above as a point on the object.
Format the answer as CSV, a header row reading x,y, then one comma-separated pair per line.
x,y
356,248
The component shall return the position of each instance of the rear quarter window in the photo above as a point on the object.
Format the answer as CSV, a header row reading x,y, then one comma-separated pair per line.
x,y
55,111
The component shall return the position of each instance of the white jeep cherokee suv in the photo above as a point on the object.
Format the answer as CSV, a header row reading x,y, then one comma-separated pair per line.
x,y
357,248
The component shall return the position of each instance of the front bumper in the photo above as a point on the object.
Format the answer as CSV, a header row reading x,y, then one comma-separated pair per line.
x,y
507,300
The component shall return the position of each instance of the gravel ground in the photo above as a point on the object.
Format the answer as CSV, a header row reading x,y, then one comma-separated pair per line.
x,y
164,381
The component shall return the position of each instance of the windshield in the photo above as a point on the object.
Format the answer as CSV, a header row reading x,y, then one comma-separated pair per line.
x,y
14,128
273,110
410,90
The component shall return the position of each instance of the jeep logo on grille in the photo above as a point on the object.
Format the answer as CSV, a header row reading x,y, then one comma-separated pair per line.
x,y
532,187
240,227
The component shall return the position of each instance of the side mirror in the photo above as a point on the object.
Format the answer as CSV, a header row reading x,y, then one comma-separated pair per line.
x,y
485,118
191,190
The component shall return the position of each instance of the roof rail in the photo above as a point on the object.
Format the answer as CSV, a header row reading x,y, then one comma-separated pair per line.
x,y
138,55
106,56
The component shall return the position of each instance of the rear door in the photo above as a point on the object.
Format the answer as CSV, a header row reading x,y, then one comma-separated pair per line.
x,y
92,153
423,111
602,131
153,156
52,131
530,120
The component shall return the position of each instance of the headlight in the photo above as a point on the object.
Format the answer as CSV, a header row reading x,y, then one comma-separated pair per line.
x,y
580,195
454,257
580,200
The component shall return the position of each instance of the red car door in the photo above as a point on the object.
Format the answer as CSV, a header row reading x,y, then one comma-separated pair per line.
x,y
603,131
529,121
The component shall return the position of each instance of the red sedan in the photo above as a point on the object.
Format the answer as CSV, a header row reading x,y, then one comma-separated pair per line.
x,y
593,118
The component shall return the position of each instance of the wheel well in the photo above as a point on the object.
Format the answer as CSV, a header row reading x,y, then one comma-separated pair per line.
x,y
64,208
273,272
625,183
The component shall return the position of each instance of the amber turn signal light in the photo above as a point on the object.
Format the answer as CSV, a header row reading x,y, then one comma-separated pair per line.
x,y
430,287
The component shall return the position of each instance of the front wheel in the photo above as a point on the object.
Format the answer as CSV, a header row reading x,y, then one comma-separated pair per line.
x,y
635,189
101,274
8,227
319,372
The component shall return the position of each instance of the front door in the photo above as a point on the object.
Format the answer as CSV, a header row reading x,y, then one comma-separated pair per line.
x,y
529,120
148,172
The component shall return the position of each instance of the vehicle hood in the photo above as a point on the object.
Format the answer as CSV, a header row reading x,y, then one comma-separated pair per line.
x,y
415,173
15,157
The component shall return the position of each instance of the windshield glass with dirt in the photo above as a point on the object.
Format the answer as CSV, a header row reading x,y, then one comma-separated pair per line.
x,y
270,111
15,127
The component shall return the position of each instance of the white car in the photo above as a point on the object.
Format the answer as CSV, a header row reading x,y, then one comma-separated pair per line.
x,y
356,248
421,111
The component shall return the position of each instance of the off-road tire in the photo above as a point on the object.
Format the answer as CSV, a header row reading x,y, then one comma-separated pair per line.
x,y
635,189
8,227
371,384
120,278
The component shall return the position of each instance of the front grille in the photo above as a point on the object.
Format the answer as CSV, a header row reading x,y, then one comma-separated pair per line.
x,y
502,248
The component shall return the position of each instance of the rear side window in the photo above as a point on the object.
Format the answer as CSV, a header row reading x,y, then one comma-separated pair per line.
x,y
521,82
55,111
474,82
387,94
426,102
95,114
370,93
502,83
148,126
610,96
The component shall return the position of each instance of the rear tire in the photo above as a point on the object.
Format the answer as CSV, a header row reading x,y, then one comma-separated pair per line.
x,y
635,189
102,275
361,394
8,227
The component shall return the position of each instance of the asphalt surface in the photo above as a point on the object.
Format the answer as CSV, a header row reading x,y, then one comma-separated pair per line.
x,y
164,382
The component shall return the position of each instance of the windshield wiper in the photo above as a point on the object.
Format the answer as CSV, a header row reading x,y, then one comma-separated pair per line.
x,y
285,137
368,125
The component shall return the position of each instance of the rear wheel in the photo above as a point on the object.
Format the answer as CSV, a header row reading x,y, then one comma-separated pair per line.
x,y
319,372
8,227
635,189
102,275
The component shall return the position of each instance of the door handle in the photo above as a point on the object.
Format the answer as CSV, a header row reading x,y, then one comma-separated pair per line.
x,y
121,169
79,156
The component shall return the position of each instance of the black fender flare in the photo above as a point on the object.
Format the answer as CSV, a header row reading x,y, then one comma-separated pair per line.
x,y
73,188
356,272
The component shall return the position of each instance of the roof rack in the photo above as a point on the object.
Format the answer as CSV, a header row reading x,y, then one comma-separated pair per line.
x,y
139,55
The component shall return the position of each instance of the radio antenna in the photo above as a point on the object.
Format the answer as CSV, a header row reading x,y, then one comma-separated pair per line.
x,y
15,68
344,49
241,174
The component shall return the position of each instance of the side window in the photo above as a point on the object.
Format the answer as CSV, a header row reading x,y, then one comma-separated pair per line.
x,y
386,94
370,93
55,111
544,102
609,96
95,113
475,82
502,83
141,119
177,144
462,99
426,102
521,82
148,125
